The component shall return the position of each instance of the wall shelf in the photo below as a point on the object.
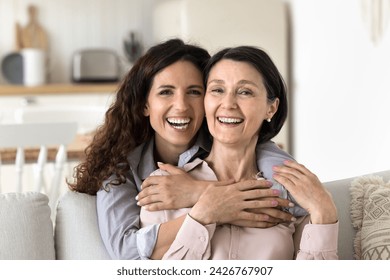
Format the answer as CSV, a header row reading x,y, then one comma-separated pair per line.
x,y
52,89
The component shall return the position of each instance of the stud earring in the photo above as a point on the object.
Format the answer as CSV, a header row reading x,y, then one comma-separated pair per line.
x,y
269,120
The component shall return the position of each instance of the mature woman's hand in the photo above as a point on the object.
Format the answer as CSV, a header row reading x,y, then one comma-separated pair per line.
x,y
308,191
246,203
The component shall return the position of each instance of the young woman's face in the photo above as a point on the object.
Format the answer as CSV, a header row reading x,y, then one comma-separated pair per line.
x,y
175,105
236,102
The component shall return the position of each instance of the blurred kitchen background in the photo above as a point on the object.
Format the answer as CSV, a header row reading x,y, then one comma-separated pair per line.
x,y
334,55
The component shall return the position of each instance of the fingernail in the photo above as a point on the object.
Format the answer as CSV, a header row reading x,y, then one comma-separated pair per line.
x,y
291,204
277,192
159,163
269,183
138,203
136,197
274,203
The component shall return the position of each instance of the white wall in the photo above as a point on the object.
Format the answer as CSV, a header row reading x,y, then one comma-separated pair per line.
x,y
341,90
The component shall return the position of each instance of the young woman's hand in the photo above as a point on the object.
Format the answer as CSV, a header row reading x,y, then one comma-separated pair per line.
x,y
174,191
308,191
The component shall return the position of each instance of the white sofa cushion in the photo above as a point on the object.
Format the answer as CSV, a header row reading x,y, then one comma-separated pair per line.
x,y
77,235
26,230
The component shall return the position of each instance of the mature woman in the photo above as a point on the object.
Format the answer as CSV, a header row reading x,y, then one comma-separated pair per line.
x,y
245,105
158,116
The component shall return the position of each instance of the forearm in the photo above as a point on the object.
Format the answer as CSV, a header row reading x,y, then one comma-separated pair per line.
x,y
118,218
166,235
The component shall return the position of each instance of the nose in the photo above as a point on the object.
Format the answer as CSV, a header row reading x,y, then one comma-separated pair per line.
x,y
181,102
229,101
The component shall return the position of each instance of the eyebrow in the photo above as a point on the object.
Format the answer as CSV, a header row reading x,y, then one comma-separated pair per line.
x,y
173,87
216,81
241,82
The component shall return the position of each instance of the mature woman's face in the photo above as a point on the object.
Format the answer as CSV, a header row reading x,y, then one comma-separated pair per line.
x,y
175,105
236,102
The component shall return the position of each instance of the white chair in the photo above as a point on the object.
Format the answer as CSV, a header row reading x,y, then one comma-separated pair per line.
x,y
42,136
88,117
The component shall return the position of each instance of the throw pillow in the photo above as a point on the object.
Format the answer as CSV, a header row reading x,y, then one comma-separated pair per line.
x,y
77,235
370,214
26,230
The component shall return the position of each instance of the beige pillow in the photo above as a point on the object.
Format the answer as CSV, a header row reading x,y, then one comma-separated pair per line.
x,y
370,214
26,230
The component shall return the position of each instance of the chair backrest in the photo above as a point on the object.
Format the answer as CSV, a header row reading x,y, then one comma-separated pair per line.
x,y
41,136
88,117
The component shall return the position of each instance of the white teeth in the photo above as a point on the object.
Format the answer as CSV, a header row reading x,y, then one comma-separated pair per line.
x,y
179,123
181,127
230,120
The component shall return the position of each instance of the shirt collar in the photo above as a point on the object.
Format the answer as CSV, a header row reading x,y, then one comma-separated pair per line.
x,y
200,149
142,157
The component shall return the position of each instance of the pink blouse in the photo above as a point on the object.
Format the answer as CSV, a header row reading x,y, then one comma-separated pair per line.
x,y
285,241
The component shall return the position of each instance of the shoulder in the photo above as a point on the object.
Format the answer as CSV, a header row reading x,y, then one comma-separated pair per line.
x,y
270,150
269,154
135,155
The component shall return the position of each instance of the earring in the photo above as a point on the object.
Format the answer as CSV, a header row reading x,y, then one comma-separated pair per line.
x,y
269,120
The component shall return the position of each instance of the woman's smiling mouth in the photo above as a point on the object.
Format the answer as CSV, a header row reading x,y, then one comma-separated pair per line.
x,y
179,123
229,120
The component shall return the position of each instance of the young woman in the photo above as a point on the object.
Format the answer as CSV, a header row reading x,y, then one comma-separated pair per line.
x,y
158,116
245,105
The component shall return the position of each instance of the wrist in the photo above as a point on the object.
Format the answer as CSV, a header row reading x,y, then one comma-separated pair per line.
x,y
198,190
200,216
328,216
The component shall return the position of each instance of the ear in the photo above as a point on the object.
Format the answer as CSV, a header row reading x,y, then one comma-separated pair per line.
x,y
272,108
146,110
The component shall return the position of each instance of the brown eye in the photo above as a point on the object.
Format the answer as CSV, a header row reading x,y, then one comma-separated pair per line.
x,y
195,92
165,92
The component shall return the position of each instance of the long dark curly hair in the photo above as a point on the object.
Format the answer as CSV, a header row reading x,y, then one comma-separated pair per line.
x,y
125,126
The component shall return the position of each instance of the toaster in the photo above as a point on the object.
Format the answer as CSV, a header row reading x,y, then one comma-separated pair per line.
x,y
95,65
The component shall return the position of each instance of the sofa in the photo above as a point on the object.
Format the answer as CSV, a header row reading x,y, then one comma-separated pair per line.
x,y
28,232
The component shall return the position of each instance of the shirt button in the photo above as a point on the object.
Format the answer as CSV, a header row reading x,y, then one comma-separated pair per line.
x,y
202,238
234,256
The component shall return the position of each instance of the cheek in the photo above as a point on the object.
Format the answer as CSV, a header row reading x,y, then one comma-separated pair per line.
x,y
198,108
209,106
155,112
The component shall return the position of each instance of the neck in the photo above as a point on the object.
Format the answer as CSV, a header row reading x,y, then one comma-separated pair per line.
x,y
236,162
168,154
